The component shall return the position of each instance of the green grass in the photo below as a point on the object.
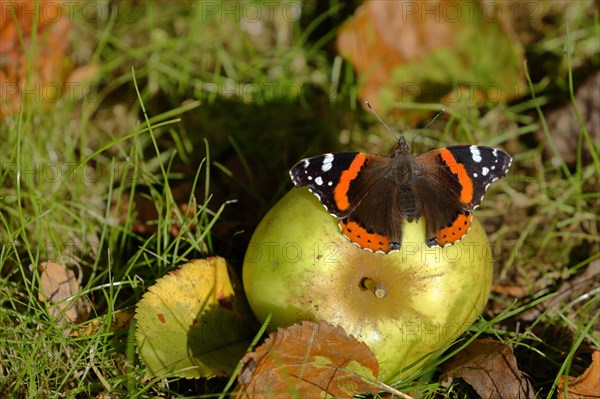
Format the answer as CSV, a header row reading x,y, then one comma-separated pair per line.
x,y
186,113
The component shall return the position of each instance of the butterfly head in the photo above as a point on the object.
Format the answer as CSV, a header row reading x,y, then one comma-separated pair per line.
x,y
401,147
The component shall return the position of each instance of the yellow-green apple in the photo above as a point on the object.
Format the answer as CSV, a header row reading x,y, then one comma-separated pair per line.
x,y
404,305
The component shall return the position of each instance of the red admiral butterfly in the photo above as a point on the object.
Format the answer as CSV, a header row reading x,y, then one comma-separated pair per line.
x,y
371,194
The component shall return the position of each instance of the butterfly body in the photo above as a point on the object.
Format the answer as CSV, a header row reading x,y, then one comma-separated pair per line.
x,y
371,195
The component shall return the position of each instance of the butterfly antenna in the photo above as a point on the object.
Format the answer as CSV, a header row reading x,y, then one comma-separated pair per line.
x,y
381,120
427,125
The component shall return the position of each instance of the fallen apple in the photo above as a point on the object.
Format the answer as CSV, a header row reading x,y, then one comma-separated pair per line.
x,y
404,305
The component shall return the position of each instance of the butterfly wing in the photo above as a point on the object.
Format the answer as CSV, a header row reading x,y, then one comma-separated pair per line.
x,y
451,183
352,187
326,177
361,191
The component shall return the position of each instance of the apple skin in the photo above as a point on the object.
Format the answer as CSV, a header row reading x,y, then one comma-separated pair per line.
x,y
403,305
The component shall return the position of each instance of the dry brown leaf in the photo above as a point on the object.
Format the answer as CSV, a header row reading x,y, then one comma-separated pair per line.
x,y
58,286
515,291
431,51
46,70
375,52
587,385
490,367
308,361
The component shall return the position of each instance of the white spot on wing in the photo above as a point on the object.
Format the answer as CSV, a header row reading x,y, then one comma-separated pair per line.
x,y
327,162
319,180
305,163
294,179
485,171
475,153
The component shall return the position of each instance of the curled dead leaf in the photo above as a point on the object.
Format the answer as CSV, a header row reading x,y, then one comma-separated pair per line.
x,y
490,367
514,291
41,74
432,51
308,360
587,385
58,290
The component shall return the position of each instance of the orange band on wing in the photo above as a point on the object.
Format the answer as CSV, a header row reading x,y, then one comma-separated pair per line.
x,y
458,169
340,193
361,237
456,231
